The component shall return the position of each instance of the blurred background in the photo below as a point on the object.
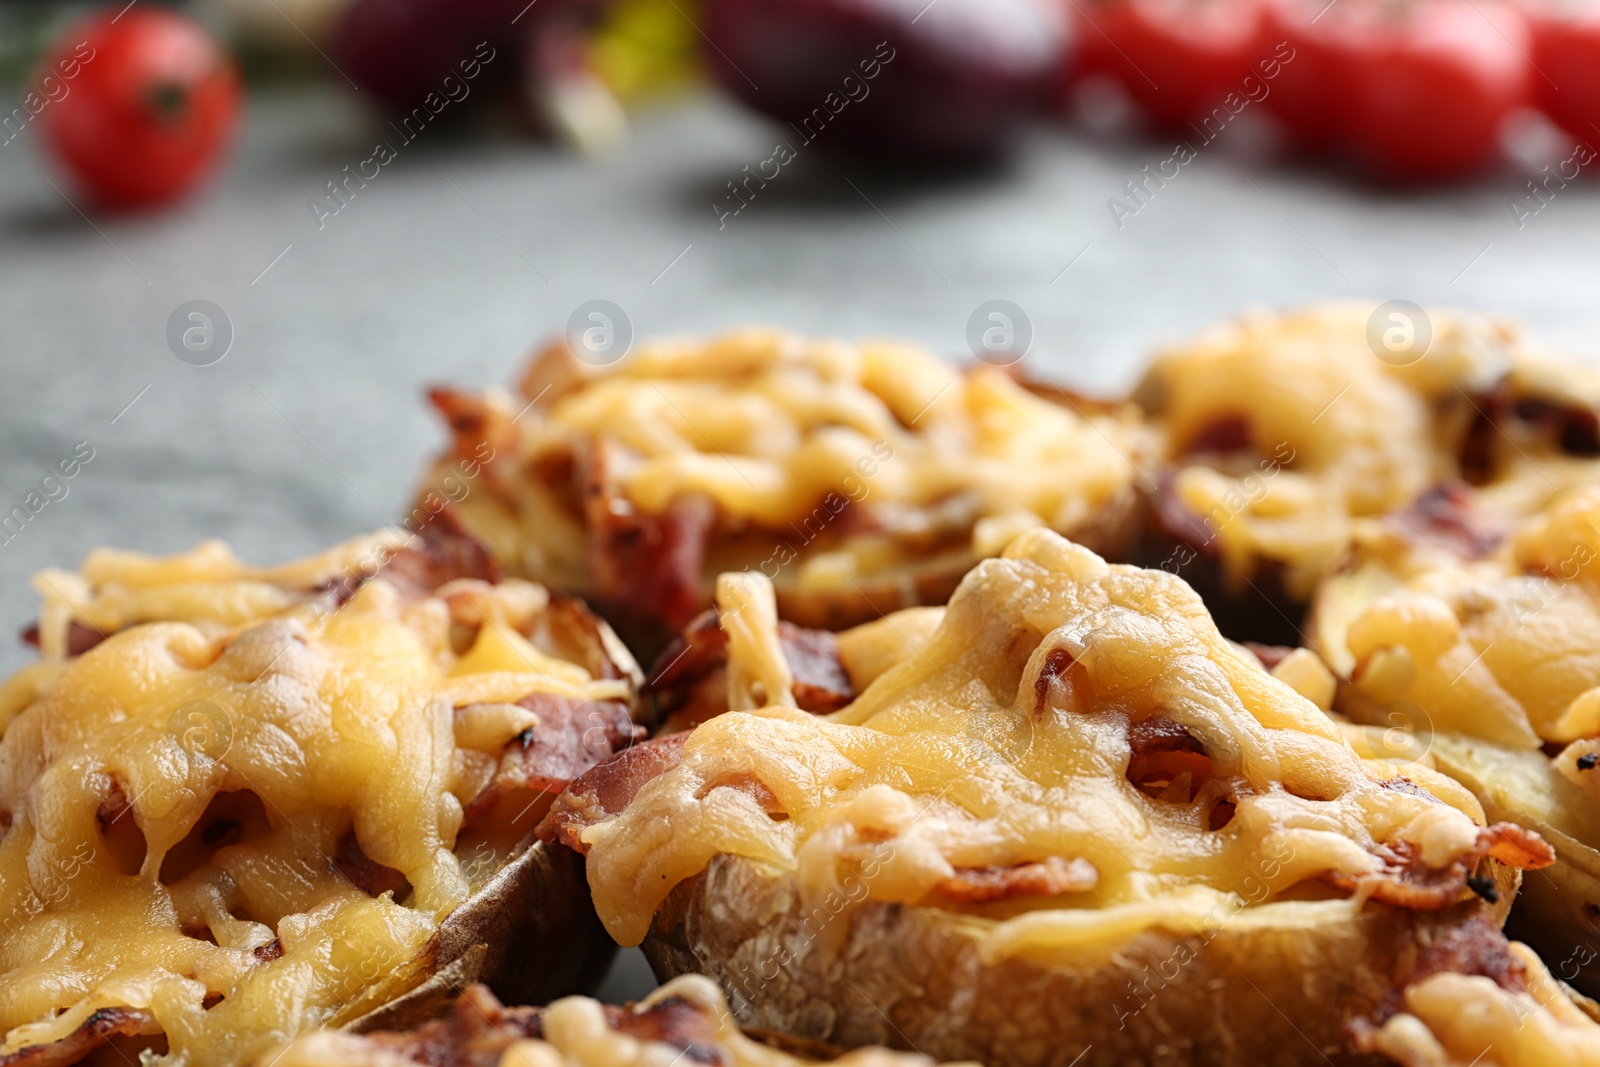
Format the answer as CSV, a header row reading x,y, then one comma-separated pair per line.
x,y
239,237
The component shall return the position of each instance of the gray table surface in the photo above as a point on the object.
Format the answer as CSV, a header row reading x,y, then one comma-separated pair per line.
x,y
463,252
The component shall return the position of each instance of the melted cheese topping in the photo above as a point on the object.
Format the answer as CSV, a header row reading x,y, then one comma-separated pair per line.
x,y
576,1034
1455,1020
306,726
208,587
781,432
1507,650
1003,739
1333,432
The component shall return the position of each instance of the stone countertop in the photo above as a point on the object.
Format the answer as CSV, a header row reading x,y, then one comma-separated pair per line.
x,y
462,252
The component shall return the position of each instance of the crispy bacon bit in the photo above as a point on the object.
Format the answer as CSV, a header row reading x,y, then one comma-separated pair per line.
x,y
1481,442
699,651
1576,429
607,790
1056,663
1048,878
650,564
1269,655
480,1029
475,1034
1166,761
572,736
1449,515
1221,436
119,828
820,682
689,675
272,950
473,423
1406,882
81,637
442,552
365,873
1221,814
95,1032
673,1021
1475,947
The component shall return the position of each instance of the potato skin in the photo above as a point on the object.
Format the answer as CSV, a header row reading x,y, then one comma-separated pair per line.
x,y
911,977
530,933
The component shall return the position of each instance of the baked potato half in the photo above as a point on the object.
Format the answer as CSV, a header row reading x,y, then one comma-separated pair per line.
x,y
1496,663
1072,823
1282,435
686,1019
262,800
860,478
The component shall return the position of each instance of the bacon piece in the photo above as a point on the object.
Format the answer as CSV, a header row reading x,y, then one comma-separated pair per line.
x,y
1480,445
440,551
443,551
475,1034
1048,878
1223,435
95,1032
820,682
607,790
649,564
1575,429
572,737
1269,655
1475,947
81,637
1449,515
119,826
1406,882
700,650
480,1029
473,422
1162,754
365,873
688,683
1056,663
272,950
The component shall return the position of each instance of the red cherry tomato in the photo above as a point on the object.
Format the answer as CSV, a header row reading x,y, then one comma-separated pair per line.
x,y
1414,91
1177,59
1311,95
1435,91
1566,51
139,107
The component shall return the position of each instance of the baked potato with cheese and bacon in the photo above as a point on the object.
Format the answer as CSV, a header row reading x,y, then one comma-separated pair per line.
x,y
239,803
1070,822
1495,663
860,478
1286,436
